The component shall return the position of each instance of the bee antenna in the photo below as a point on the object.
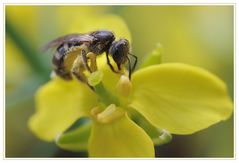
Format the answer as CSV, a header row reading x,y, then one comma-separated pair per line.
x,y
135,62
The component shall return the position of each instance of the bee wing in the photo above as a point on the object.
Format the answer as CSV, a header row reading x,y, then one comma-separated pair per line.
x,y
68,38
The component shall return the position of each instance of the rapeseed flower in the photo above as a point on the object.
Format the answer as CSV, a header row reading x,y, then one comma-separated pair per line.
x,y
173,97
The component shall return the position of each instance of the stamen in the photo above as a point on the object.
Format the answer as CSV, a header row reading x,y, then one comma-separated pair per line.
x,y
109,114
95,111
124,86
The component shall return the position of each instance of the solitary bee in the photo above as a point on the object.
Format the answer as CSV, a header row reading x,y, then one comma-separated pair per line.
x,y
75,50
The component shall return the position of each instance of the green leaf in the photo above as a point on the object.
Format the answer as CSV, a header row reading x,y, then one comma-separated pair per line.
x,y
75,140
59,104
121,138
153,58
180,98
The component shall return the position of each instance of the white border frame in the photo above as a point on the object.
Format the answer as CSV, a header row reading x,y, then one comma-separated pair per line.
x,y
119,2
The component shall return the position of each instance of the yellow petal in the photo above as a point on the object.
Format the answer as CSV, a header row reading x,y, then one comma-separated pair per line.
x,y
121,138
58,105
180,98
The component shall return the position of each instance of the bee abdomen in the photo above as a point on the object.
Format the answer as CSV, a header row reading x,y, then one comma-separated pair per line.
x,y
63,74
58,63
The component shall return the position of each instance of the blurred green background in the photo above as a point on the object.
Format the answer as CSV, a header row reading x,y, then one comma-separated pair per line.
x,y
197,35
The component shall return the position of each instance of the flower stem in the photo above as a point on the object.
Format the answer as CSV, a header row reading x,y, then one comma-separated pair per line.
x,y
105,96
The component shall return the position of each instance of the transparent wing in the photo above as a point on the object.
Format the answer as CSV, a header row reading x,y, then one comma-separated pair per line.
x,y
68,38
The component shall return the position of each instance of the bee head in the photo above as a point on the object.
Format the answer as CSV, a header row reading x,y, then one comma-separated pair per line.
x,y
102,41
119,51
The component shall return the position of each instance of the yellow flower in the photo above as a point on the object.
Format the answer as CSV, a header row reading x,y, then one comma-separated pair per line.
x,y
173,98
179,98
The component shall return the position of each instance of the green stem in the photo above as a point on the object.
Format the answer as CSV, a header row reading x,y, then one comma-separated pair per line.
x,y
105,96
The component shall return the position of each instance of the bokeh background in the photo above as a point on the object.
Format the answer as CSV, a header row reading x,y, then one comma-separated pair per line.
x,y
196,35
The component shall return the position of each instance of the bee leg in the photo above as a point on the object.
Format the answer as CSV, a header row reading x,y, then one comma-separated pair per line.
x,y
92,57
84,58
135,62
111,66
82,78
78,69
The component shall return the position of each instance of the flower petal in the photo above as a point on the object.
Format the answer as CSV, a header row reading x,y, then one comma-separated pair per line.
x,y
121,138
59,104
180,98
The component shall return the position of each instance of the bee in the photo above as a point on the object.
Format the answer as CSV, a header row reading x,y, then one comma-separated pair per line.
x,y
77,50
